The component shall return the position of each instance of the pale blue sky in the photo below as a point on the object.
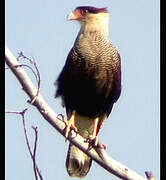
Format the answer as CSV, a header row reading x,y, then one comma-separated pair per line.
x,y
40,29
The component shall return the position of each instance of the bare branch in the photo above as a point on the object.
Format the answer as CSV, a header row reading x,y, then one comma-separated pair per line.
x,y
33,156
27,142
36,169
97,154
37,75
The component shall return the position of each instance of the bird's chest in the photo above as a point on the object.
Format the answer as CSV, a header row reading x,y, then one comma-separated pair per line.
x,y
94,63
91,56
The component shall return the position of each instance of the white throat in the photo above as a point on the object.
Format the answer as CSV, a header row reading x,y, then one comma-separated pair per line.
x,y
96,22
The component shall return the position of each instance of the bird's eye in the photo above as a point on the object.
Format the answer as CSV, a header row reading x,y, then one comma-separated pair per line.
x,y
83,12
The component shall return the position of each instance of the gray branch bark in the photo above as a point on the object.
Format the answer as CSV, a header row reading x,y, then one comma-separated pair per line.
x,y
97,154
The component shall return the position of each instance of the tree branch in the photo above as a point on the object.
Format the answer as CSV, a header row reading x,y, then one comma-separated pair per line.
x,y
33,155
97,154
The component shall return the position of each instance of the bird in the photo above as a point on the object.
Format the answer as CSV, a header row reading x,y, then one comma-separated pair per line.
x,y
89,83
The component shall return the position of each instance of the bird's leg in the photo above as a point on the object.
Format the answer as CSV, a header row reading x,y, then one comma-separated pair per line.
x,y
93,137
70,124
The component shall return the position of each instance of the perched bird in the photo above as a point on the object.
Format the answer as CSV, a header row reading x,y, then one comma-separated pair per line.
x,y
89,83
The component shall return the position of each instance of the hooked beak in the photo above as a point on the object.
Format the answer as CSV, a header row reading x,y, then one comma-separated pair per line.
x,y
71,16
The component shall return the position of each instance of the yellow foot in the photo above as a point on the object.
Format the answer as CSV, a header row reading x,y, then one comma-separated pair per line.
x,y
70,124
69,127
95,142
93,139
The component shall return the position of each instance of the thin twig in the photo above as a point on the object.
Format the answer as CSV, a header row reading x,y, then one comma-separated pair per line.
x,y
33,155
36,138
26,137
37,75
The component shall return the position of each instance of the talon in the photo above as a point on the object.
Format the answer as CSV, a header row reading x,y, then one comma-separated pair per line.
x,y
94,140
70,124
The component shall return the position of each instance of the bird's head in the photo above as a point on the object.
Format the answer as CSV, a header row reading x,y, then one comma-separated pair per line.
x,y
82,13
91,17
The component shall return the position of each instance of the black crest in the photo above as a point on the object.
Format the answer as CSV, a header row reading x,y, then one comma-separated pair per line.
x,y
92,9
